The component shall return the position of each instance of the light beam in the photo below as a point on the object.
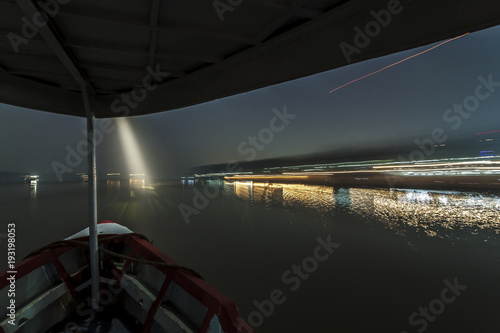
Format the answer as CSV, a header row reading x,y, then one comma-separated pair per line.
x,y
131,148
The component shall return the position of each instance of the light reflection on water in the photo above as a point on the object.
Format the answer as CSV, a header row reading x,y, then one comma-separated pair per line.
x,y
247,234
33,188
434,212
430,211
126,188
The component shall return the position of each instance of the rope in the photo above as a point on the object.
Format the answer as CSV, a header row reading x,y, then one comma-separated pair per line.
x,y
64,243
85,244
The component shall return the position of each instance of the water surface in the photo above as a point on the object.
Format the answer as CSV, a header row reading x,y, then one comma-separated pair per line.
x,y
256,242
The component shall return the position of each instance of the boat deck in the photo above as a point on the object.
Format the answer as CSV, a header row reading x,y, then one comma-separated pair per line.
x,y
110,319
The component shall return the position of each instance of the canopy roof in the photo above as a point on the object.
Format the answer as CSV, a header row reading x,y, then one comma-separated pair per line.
x,y
210,48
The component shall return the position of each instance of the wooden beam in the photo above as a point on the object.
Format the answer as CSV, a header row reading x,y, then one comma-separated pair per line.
x,y
52,38
116,19
142,52
279,21
153,22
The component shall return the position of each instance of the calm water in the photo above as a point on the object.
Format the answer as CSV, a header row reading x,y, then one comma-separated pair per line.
x,y
392,250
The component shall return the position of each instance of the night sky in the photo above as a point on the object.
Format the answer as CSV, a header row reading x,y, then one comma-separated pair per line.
x,y
389,109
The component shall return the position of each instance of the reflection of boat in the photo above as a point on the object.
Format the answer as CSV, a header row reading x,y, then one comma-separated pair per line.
x,y
31,179
137,178
113,176
132,177
83,176
140,287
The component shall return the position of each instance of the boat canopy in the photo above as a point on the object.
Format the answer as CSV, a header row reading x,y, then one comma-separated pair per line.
x,y
99,59
172,54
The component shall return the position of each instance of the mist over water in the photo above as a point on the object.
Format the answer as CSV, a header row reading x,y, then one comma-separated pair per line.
x,y
395,247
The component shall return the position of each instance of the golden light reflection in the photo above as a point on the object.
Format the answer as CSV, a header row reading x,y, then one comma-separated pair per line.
x,y
137,183
429,210
317,197
112,186
243,189
33,188
433,212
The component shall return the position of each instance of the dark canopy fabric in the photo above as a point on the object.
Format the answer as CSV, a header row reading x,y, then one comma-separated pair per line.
x,y
135,57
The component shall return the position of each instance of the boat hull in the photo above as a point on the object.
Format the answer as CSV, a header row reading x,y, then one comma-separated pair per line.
x,y
150,288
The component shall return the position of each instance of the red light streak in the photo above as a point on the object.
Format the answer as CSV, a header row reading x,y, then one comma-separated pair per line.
x,y
489,132
397,63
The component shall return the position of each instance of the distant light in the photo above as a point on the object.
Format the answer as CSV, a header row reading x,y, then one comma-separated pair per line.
x,y
131,147
486,153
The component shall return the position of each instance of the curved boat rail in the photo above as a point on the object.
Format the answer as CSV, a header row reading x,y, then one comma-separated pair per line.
x,y
53,284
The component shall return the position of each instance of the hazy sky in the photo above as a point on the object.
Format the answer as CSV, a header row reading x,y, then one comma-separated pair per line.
x,y
393,107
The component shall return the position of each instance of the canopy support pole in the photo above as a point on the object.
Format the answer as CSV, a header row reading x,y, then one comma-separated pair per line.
x,y
53,39
92,173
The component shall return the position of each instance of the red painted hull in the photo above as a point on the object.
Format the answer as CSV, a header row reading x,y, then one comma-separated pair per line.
x,y
215,302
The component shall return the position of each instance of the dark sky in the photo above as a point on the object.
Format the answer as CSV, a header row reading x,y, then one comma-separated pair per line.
x,y
391,108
